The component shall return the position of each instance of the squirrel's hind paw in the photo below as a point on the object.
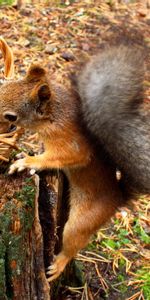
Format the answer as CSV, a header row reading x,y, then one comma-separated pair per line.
x,y
57,267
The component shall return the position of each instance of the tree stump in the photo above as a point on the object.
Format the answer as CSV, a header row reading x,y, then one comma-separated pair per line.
x,y
23,242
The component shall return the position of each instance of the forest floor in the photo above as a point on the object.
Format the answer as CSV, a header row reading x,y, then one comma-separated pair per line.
x,y
116,263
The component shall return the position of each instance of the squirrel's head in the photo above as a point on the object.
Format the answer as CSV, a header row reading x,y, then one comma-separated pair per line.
x,y
27,102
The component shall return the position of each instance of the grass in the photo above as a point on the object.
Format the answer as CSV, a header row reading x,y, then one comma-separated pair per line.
x,y
6,2
118,257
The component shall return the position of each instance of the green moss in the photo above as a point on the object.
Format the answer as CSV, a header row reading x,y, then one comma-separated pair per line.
x,y
27,194
2,270
20,209
144,275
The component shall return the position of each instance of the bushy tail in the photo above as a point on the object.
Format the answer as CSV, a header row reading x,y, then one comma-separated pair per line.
x,y
111,91
8,58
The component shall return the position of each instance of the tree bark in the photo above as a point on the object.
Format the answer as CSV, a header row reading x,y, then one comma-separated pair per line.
x,y
22,250
33,211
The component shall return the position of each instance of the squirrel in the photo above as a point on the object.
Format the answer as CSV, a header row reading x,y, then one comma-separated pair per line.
x,y
39,103
8,73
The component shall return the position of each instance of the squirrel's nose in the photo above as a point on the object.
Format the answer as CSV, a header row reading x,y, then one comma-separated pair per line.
x,y
10,116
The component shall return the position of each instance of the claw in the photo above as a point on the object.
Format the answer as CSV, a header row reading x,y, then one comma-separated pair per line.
x,y
57,267
19,166
52,277
20,169
12,170
50,267
52,270
21,155
32,171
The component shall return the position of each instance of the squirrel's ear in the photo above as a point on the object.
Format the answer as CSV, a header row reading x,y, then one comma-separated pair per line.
x,y
35,72
44,92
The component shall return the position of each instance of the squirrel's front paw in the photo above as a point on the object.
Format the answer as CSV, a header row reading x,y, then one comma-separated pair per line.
x,y
19,165
57,267
25,161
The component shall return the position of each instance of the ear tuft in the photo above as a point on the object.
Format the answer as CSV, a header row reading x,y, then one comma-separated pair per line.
x,y
44,92
35,72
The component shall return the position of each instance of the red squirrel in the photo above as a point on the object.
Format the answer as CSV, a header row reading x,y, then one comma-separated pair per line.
x,y
36,102
54,112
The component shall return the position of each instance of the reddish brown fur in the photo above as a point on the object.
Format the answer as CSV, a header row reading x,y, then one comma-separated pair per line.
x,y
8,58
94,192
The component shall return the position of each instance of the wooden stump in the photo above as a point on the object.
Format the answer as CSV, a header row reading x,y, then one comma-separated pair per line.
x,y
22,270
33,211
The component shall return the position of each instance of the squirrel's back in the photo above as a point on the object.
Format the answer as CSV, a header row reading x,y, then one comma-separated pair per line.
x,y
111,91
